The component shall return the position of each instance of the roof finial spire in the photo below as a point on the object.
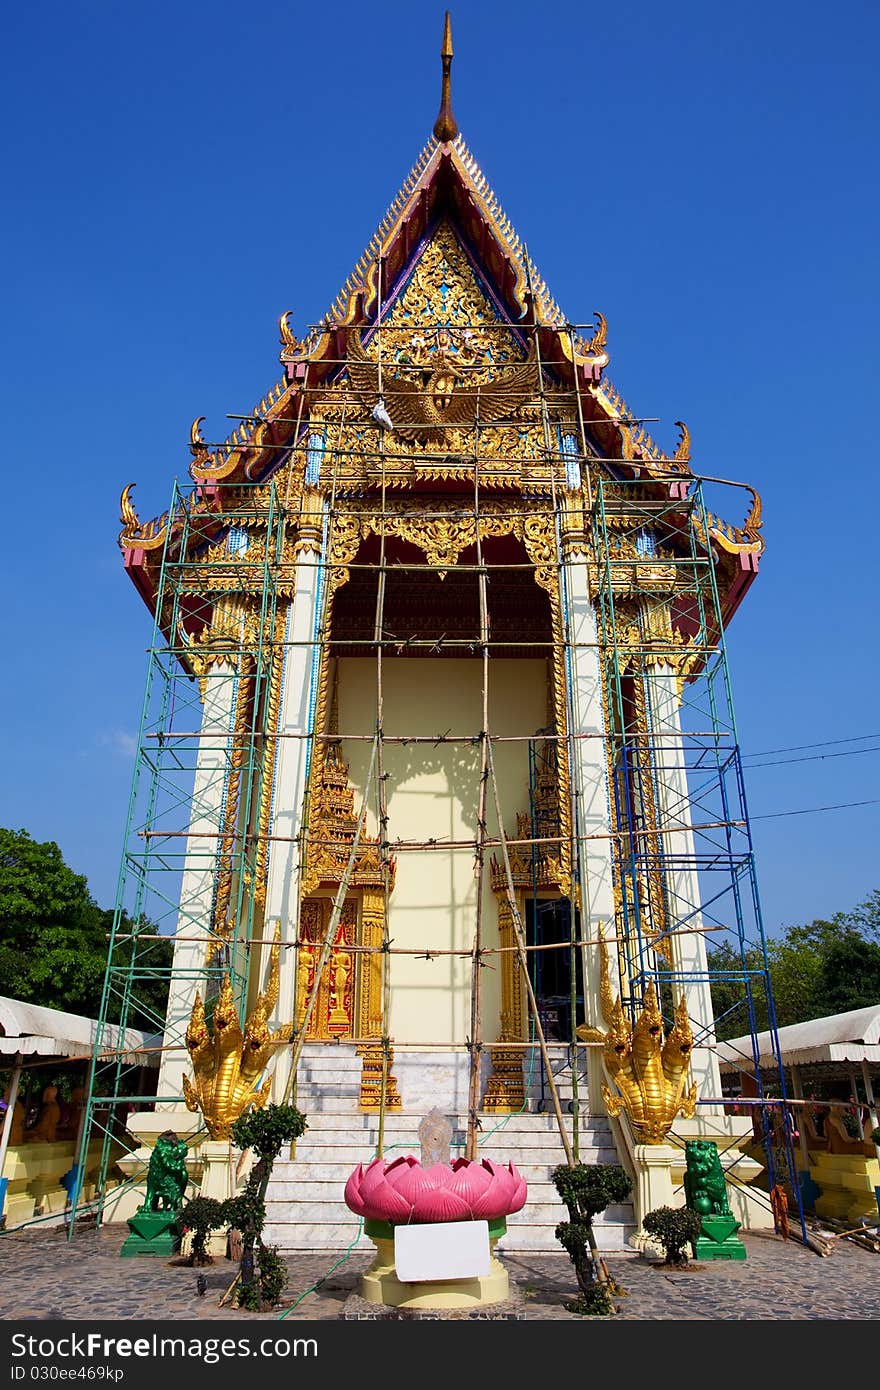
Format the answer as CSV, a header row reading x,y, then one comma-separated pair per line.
x,y
446,126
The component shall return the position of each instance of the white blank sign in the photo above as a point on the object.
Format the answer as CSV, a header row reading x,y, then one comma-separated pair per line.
x,y
441,1250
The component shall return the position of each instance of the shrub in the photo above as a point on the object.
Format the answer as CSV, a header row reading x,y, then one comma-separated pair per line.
x,y
587,1189
201,1215
267,1131
674,1228
265,1287
273,1274
264,1275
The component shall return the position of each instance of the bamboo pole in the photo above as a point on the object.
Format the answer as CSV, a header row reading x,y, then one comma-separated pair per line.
x,y
420,845
437,739
519,938
473,1121
422,952
382,797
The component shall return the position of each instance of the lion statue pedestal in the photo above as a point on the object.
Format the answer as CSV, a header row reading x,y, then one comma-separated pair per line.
x,y
706,1194
153,1230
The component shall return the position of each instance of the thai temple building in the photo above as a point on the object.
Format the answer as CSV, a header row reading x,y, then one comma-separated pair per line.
x,y
438,794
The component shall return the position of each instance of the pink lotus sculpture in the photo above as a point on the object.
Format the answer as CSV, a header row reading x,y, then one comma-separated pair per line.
x,y
464,1190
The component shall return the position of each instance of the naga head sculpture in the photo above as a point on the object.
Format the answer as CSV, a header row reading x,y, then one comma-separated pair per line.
x,y
648,1068
227,1061
680,1038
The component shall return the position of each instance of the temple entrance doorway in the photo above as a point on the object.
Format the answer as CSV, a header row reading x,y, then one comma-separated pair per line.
x,y
548,924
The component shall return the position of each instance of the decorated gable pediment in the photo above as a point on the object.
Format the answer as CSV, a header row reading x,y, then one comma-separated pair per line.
x,y
444,360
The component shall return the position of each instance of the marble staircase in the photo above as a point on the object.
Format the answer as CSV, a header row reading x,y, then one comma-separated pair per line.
x,y
305,1207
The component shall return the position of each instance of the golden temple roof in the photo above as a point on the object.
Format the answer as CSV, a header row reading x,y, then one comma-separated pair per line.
x,y
445,182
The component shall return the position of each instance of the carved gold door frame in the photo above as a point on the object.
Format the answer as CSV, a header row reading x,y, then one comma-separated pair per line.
x,y
349,999
334,1013
505,1088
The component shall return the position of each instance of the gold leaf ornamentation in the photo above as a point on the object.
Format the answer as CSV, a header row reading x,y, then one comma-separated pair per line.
x,y
226,1060
149,536
648,1069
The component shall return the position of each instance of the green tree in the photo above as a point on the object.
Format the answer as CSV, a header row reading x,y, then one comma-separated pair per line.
x,y
266,1132
822,967
865,919
54,936
52,945
850,974
728,989
587,1189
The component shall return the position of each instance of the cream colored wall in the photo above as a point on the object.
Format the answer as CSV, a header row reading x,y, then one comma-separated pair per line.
x,y
434,792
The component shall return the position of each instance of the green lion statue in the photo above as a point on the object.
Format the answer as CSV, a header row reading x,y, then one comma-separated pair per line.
x,y
704,1185
166,1176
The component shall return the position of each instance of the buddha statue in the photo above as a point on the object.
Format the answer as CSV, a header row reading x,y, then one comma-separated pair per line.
x,y
16,1133
46,1128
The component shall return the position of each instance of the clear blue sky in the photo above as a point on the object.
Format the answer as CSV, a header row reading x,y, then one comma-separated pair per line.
x,y
177,174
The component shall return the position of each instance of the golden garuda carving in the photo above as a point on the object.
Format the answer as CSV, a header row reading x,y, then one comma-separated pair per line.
x,y
649,1070
429,393
226,1061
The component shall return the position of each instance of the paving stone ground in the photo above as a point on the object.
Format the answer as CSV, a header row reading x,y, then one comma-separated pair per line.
x,y
43,1276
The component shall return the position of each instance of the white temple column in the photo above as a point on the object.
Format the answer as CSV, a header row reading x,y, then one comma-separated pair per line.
x,y
682,883
199,872
589,774
301,666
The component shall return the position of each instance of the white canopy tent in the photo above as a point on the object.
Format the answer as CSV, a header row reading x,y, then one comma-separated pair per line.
x,y
851,1039
30,1031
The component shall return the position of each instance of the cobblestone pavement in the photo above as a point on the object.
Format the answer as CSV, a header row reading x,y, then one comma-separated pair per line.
x,y
42,1275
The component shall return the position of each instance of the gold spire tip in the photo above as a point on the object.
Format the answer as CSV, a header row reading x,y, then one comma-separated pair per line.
x,y
446,126
446,50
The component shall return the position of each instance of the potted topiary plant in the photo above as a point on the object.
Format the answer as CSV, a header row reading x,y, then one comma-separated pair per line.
x,y
674,1228
587,1189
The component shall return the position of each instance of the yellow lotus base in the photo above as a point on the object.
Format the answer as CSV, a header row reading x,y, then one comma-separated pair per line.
x,y
380,1284
34,1171
848,1183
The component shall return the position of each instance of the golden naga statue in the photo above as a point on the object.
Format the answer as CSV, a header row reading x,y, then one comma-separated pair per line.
x,y
650,1072
227,1064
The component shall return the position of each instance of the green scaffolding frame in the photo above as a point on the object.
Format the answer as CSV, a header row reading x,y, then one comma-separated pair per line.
x,y
210,780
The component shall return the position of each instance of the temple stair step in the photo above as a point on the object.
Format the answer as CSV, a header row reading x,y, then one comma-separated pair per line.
x,y
305,1206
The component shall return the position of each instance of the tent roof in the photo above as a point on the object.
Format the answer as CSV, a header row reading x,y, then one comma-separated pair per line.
x,y
849,1037
30,1030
